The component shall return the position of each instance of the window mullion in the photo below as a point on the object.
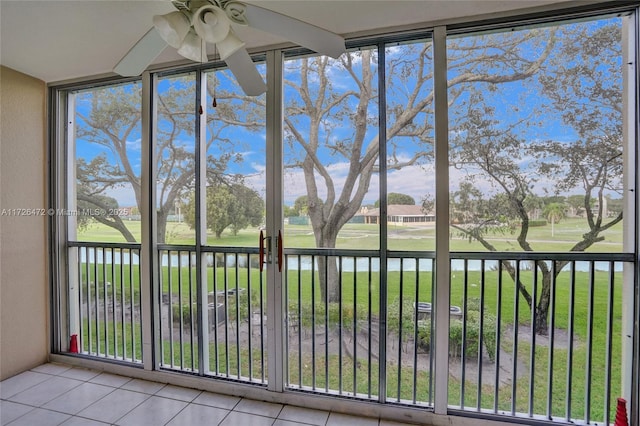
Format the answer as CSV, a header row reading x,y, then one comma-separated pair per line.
x,y
151,345
382,160
201,220
442,289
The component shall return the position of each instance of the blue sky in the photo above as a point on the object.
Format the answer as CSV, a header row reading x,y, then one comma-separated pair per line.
x,y
511,102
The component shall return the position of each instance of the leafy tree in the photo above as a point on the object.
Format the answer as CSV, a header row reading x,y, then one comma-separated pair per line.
x,y
615,205
554,199
463,202
319,110
112,120
576,203
582,81
92,182
234,206
396,198
289,211
319,107
301,205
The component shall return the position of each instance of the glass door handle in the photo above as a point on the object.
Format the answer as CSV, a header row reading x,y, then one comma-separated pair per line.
x,y
280,251
261,251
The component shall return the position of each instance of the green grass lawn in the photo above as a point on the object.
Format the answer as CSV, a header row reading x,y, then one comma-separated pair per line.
x,y
361,290
358,236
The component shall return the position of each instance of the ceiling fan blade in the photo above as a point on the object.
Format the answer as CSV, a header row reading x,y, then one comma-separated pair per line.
x,y
307,35
141,54
245,71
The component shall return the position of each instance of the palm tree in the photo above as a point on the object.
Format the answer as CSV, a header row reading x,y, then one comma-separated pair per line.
x,y
554,212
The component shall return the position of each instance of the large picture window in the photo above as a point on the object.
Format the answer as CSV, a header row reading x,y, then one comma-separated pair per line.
x,y
289,240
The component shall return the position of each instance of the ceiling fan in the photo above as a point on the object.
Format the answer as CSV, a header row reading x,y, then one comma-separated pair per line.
x,y
198,22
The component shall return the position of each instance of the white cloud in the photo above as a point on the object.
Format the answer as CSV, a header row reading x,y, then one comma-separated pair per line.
x,y
135,145
124,195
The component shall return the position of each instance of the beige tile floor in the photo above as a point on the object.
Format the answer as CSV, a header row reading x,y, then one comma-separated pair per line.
x,y
55,394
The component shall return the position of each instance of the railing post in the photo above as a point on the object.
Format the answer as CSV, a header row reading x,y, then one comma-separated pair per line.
x,y
442,286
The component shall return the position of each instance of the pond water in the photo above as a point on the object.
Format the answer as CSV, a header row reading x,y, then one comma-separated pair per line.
x,y
348,264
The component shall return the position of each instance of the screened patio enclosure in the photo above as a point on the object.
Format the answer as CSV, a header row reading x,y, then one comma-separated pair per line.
x,y
227,240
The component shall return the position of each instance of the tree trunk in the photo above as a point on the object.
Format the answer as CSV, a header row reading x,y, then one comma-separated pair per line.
x,y
542,325
329,279
161,224
541,317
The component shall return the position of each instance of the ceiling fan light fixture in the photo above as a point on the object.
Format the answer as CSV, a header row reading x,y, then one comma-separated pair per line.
x,y
230,45
172,27
193,48
211,23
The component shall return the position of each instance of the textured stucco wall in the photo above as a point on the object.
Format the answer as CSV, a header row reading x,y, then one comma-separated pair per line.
x,y
23,239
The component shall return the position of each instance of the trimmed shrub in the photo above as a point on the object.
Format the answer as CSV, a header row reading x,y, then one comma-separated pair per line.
x,y
472,333
538,222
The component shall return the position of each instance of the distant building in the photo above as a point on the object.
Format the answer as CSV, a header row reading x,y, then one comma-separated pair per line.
x,y
399,214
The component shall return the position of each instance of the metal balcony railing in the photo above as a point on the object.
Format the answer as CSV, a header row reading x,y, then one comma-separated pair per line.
x,y
108,317
506,360
531,335
235,334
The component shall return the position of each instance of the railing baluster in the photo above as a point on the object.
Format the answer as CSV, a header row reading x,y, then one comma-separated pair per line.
x,y
87,267
140,307
552,325
610,308
340,325
288,331
481,333
171,320
300,381
572,295
80,282
131,302
214,265
96,296
262,331
249,315
532,353
432,331
514,356
105,312
401,296
122,317
590,312
369,300
313,324
463,348
237,294
226,313
498,340
113,305
161,331
355,327
415,331
181,331
326,324
192,317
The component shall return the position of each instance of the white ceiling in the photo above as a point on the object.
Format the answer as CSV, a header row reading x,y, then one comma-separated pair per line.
x,y
57,40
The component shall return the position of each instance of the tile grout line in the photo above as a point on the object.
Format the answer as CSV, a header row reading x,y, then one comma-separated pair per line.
x,y
63,374
141,402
